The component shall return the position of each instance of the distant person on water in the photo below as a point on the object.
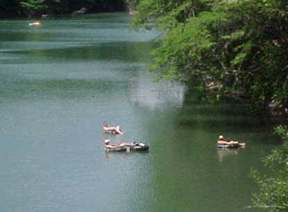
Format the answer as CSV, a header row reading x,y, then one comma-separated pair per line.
x,y
35,23
223,141
111,129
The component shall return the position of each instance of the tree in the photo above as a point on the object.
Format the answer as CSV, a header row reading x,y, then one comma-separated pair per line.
x,y
237,46
273,188
33,7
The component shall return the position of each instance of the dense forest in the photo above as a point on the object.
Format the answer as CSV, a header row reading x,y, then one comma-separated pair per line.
x,y
35,8
229,48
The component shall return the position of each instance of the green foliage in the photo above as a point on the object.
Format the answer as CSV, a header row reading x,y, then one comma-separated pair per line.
x,y
273,189
240,45
166,13
31,7
184,47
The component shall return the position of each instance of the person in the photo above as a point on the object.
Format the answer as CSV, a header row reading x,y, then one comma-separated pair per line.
x,y
122,144
118,130
107,142
108,145
223,141
35,23
113,130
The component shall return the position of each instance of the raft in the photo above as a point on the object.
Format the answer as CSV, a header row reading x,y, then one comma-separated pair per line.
x,y
131,147
231,146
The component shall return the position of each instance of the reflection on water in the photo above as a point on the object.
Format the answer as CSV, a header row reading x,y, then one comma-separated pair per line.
x,y
150,94
226,153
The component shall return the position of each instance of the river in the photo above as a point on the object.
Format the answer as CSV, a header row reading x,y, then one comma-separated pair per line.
x,y
61,80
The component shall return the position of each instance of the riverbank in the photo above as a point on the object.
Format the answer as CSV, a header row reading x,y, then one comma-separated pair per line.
x,y
37,9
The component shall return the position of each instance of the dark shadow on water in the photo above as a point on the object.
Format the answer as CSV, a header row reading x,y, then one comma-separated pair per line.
x,y
60,88
123,51
231,115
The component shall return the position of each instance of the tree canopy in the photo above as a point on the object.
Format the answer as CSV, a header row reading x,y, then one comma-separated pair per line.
x,y
236,46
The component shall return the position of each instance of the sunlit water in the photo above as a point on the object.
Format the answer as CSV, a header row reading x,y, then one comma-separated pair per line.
x,y
60,81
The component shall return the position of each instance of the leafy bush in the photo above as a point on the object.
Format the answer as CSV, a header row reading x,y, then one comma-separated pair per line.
x,y
273,188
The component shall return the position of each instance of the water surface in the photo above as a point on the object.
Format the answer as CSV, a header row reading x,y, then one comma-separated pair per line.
x,y
60,81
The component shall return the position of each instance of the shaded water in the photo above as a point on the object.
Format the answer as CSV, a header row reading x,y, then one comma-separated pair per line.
x,y
60,81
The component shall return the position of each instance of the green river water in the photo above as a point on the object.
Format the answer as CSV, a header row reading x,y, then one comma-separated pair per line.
x,y
60,81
